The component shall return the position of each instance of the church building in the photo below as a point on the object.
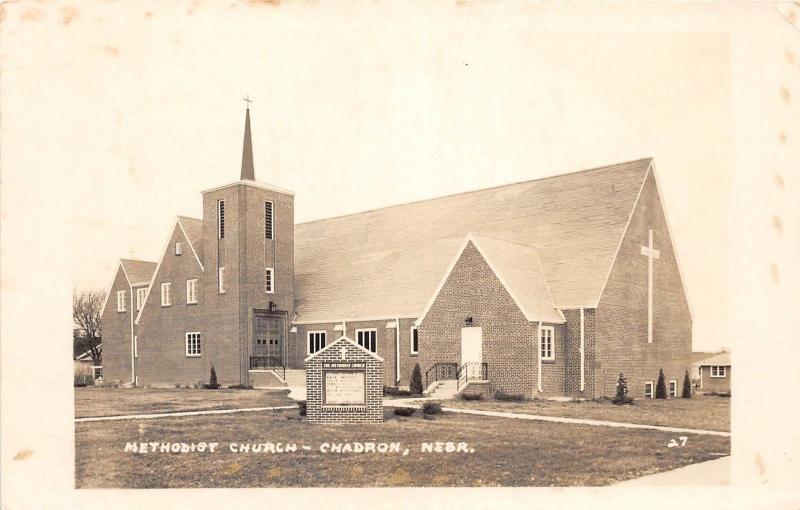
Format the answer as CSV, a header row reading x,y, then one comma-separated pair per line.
x,y
550,287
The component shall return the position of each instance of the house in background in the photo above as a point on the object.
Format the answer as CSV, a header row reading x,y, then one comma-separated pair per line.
x,y
715,373
549,287
85,369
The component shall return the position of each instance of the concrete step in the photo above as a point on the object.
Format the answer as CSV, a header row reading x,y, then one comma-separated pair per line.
x,y
444,390
265,379
295,377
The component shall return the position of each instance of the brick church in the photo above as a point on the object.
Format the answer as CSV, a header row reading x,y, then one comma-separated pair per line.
x,y
550,287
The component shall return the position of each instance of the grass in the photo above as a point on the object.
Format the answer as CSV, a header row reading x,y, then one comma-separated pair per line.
x,y
94,401
506,452
699,412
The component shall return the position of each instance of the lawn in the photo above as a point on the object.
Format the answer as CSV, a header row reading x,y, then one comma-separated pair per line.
x,y
699,412
92,401
506,452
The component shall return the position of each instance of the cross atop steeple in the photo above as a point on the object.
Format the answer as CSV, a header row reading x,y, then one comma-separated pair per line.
x,y
248,170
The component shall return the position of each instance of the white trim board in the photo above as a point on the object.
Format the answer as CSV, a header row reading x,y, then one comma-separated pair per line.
x,y
164,251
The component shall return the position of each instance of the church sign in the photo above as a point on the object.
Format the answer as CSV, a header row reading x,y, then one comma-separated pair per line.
x,y
344,384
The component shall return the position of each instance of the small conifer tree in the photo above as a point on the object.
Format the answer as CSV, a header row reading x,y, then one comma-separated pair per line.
x,y
416,381
661,386
687,386
212,381
622,391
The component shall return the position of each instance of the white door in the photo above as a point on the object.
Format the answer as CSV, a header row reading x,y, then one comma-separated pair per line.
x,y
472,350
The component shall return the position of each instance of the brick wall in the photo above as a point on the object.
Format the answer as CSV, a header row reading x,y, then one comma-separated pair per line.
x,y
386,345
572,343
621,317
116,332
509,340
718,384
161,331
372,412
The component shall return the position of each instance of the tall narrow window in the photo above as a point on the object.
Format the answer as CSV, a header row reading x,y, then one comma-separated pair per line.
x,y
368,339
269,279
178,248
648,389
141,294
221,218
673,388
120,300
316,341
135,346
166,294
414,340
268,220
546,343
193,344
221,278
191,292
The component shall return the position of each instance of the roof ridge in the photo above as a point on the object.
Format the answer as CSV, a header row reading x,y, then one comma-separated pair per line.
x,y
138,260
575,172
189,218
535,247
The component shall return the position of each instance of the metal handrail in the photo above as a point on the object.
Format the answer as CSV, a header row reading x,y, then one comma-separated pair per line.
x,y
441,372
464,373
268,363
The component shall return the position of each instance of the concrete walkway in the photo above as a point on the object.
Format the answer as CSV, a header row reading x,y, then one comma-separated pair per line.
x,y
711,472
181,413
555,419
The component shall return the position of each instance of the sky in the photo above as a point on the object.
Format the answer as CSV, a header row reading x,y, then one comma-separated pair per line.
x,y
357,115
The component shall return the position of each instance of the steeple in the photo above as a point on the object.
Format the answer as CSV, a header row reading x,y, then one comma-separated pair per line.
x,y
248,170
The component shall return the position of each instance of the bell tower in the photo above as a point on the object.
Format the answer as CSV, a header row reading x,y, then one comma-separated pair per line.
x,y
248,242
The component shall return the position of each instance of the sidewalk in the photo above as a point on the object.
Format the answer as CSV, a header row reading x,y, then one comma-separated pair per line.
x,y
712,472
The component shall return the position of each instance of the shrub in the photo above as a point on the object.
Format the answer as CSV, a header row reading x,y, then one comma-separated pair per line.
x,y
178,385
661,385
471,396
416,381
212,381
432,408
509,397
302,407
622,397
404,411
687,386
395,392
79,384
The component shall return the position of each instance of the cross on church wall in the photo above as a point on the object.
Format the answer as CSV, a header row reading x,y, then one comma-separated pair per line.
x,y
651,253
343,352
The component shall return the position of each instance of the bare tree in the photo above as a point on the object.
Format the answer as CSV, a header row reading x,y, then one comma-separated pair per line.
x,y
86,310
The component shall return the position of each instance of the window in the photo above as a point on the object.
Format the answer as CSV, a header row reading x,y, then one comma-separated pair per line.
x,y
221,219
316,341
141,295
120,300
546,343
269,280
368,339
648,389
191,292
718,371
269,221
414,340
166,298
193,344
673,388
178,248
221,278
135,346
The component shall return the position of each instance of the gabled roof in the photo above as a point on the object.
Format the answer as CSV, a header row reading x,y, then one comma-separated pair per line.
x,y
520,270
346,340
138,272
721,359
387,263
193,229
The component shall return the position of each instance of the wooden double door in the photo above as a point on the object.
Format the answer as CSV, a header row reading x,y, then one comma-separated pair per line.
x,y
269,335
